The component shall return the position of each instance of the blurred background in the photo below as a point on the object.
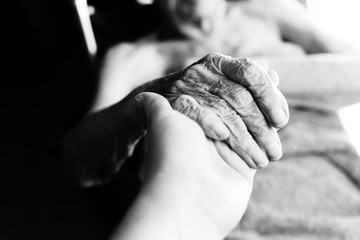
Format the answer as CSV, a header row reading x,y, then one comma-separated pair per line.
x,y
338,16
341,17
50,81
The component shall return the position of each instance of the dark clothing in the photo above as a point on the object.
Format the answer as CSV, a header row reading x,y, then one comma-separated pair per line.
x,y
50,83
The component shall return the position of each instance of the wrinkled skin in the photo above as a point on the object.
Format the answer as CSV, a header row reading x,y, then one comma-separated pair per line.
x,y
235,100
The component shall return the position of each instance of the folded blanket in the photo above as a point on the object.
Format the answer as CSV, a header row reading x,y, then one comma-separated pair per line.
x,y
314,191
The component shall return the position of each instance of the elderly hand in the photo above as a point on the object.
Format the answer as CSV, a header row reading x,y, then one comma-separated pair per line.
x,y
231,99
234,100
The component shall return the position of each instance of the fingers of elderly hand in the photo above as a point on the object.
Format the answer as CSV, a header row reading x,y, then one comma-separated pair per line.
x,y
277,112
263,134
272,74
252,75
240,139
243,144
263,88
206,118
263,64
241,100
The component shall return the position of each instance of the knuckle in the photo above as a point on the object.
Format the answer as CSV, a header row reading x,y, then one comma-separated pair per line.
x,y
223,109
260,129
241,98
264,92
262,132
255,121
246,60
177,87
213,55
256,75
205,118
230,116
184,104
187,99
198,76
244,104
215,59
246,63
253,75
217,88
184,86
204,101
243,138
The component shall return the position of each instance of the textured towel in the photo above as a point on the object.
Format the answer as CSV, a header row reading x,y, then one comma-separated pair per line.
x,y
314,191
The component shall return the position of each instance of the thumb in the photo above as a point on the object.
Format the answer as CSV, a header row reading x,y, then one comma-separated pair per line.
x,y
153,105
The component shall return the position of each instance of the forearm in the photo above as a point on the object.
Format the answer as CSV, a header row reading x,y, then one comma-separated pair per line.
x,y
318,40
300,28
160,213
124,68
97,147
326,80
100,144
297,25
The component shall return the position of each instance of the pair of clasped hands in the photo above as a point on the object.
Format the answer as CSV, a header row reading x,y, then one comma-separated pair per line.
x,y
200,167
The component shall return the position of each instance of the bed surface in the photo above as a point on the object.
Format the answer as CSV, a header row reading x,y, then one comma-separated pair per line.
x,y
314,191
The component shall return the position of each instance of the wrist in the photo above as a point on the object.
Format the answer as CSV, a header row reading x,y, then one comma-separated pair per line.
x,y
178,203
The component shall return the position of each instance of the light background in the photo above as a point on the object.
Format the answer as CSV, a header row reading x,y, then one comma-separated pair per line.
x,y
342,18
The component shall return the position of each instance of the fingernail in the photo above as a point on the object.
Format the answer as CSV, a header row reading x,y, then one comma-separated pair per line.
x,y
260,159
252,165
278,117
263,164
274,151
139,99
221,131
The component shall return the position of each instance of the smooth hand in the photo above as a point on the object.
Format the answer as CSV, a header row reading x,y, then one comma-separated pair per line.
x,y
189,176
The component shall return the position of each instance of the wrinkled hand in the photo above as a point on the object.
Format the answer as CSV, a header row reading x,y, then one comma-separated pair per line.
x,y
231,99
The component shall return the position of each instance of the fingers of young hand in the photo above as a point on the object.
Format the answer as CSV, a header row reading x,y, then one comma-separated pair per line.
x,y
241,100
205,117
234,161
153,105
258,80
